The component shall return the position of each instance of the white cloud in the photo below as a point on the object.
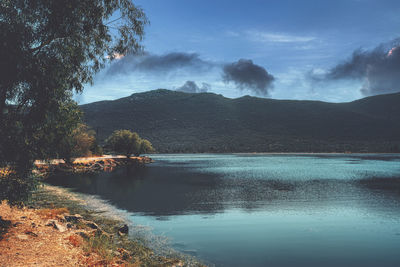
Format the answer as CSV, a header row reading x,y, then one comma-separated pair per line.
x,y
273,37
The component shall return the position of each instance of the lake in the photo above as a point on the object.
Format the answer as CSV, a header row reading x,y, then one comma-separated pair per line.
x,y
263,209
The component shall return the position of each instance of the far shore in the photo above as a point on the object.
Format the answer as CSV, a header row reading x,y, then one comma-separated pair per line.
x,y
88,164
85,159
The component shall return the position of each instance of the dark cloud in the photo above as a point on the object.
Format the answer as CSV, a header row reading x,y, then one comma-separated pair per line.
x,y
247,75
377,69
192,87
159,63
243,73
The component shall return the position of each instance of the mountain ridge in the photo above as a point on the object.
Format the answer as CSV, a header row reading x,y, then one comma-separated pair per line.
x,y
206,122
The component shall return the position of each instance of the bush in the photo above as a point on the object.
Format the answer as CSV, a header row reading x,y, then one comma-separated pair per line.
x,y
128,143
14,189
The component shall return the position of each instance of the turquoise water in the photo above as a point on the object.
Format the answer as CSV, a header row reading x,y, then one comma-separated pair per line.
x,y
261,209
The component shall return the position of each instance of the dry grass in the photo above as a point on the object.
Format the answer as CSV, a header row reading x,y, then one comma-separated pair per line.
x,y
101,245
139,253
29,242
52,213
75,240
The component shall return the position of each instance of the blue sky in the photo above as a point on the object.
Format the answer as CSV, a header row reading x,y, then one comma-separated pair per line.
x,y
291,40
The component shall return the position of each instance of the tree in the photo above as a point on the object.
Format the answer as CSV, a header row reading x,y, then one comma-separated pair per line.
x,y
128,143
80,142
58,131
124,141
145,147
48,50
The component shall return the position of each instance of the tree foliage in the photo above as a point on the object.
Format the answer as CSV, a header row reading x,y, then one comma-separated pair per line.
x,y
128,143
80,142
144,147
49,49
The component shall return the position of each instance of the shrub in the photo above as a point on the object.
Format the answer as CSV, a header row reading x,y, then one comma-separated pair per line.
x,y
14,189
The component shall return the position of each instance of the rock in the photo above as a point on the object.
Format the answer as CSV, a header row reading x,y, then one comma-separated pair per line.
x,y
22,237
60,227
31,233
50,223
56,226
61,218
91,225
124,229
73,218
83,234
17,223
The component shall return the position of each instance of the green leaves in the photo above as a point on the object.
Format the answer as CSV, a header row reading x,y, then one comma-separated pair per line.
x,y
48,50
128,143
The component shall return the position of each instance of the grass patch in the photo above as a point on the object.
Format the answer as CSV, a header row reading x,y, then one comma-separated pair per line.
x,y
101,245
135,251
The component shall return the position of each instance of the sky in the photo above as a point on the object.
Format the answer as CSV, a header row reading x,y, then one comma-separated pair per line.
x,y
335,51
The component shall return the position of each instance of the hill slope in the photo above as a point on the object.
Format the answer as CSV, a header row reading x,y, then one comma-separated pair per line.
x,y
206,122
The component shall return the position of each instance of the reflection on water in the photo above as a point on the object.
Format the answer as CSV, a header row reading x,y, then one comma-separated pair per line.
x,y
258,210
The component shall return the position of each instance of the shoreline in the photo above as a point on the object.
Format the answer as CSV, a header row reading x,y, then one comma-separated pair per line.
x,y
134,246
104,163
102,223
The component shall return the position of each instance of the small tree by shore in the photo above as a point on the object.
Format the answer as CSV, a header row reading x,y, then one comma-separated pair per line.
x,y
81,142
128,143
144,147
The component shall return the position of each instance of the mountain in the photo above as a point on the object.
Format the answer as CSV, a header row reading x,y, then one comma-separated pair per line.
x,y
206,122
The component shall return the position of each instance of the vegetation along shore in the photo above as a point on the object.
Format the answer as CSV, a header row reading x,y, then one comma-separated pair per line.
x,y
56,228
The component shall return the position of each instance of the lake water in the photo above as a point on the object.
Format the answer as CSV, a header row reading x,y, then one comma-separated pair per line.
x,y
262,209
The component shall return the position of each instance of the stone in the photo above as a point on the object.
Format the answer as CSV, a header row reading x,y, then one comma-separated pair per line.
x,y
60,227
124,229
56,226
83,234
31,233
17,223
61,218
22,237
91,225
73,218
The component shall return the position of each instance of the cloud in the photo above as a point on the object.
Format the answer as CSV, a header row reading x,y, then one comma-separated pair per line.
x,y
192,87
378,70
247,75
158,63
270,37
244,74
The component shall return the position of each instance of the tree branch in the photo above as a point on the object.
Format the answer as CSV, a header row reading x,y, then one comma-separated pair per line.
x,y
46,43
113,20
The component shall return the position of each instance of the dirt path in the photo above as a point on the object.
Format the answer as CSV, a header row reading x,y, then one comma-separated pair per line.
x,y
29,242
